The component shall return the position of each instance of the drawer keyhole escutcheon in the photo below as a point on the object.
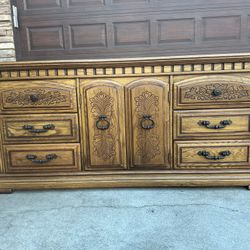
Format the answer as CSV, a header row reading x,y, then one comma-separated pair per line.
x,y
147,122
34,98
102,123
221,125
222,155
47,159
216,92
45,128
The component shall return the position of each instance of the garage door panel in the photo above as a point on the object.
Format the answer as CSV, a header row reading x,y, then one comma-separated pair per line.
x,y
85,29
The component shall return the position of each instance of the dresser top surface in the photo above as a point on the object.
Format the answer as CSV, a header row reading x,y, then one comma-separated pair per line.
x,y
239,57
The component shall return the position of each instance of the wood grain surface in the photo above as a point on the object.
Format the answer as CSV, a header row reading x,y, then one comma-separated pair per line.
x,y
127,123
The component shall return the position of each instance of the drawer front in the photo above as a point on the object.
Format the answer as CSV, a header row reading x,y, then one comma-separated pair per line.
x,y
212,123
212,91
41,158
210,155
40,128
38,96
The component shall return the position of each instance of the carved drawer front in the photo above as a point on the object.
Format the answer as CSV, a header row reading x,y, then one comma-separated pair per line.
x,y
212,91
103,102
42,158
41,96
40,128
212,123
148,123
212,155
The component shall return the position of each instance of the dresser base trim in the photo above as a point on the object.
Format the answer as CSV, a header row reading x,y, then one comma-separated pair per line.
x,y
110,181
6,190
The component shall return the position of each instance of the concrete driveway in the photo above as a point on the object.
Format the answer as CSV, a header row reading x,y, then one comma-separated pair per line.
x,y
126,219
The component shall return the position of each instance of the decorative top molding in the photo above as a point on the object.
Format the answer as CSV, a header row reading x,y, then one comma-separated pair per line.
x,y
126,67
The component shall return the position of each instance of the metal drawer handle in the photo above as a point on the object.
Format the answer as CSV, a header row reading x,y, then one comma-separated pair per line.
x,y
221,125
45,128
34,98
147,122
34,159
216,92
222,155
102,123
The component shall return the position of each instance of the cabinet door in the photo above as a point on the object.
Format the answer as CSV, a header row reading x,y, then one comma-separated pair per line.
x,y
103,119
148,122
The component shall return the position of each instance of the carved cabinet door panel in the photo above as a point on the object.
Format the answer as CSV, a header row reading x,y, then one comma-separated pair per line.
x,y
103,118
148,123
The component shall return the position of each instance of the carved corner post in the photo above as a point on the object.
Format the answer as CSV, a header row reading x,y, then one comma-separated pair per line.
x,y
6,190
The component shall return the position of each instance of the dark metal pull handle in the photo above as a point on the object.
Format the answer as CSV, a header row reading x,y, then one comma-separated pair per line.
x,y
147,122
216,92
222,155
102,123
221,125
45,128
34,159
34,98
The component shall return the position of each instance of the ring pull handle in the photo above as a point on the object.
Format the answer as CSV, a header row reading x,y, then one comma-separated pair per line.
x,y
34,98
222,155
102,123
147,122
45,128
216,92
47,159
221,125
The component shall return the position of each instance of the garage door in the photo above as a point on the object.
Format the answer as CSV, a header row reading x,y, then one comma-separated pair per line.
x,y
83,29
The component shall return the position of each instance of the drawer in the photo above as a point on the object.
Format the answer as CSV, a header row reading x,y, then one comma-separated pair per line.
x,y
212,92
41,96
211,155
41,158
212,124
39,128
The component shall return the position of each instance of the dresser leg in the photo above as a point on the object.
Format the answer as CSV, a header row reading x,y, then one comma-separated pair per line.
x,y
248,187
6,190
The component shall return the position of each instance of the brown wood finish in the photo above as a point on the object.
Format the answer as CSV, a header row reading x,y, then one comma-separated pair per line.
x,y
69,29
40,128
232,123
212,91
102,142
103,102
187,154
6,190
42,96
66,158
148,123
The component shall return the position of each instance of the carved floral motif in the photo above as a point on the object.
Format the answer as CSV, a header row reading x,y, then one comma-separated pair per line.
x,y
101,103
44,97
104,141
146,103
205,92
104,145
147,141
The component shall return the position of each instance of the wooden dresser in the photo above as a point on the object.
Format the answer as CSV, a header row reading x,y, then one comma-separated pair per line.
x,y
125,123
